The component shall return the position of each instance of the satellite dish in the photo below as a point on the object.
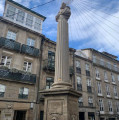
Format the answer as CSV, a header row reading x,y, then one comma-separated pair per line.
x,y
68,2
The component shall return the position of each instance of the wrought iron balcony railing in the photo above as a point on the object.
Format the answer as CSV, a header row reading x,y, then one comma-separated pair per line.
x,y
90,104
9,44
7,74
80,104
22,96
30,50
49,65
105,65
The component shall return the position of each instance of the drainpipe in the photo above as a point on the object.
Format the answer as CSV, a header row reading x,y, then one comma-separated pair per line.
x,y
74,68
40,69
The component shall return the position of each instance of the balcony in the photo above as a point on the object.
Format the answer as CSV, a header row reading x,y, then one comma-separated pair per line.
x,y
89,89
79,87
80,104
17,76
49,66
78,70
90,104
106,65
30,50
10,44
22,96
87,73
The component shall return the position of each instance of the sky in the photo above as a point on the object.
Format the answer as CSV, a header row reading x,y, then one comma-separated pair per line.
x,y
93,23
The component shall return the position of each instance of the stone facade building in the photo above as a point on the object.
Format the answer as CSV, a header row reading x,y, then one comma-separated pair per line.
x,y
20,51
27,65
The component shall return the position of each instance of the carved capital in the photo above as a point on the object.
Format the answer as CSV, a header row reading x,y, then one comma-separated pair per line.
x,y
64,12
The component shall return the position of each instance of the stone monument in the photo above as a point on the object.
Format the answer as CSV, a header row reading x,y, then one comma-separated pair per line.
x,y
61,101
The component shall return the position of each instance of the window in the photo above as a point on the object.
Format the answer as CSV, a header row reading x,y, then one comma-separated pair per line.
x,y
94,58
2,90
117,105
88,82
79,83
97,74
115,67
108,90
113,79
89,88
51,60
110,106
80,101
118,77
37,24
11,12
78,67
30,42
11,35
109,65
27,66
115,91
105,76
23,93
6,61
99,88
101,105
78,64
49,82
87,67
29,20
87,70
102,62
90,101
20,16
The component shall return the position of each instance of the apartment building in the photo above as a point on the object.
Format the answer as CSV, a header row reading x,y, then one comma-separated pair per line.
x,y
106,81
20,51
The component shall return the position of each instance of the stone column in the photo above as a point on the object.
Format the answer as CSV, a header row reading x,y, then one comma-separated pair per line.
x,y
62,49
61,101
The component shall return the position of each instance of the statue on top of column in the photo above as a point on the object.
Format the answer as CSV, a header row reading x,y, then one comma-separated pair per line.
x,y
64,11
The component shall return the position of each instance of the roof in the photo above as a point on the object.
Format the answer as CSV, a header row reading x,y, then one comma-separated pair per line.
x,y
26,8
103,53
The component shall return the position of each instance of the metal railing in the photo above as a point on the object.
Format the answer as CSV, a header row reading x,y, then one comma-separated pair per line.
x,y
49,65
7,74
22,96
105,65
30,50
9,44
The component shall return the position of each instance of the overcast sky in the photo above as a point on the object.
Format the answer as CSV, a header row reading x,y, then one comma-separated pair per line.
x,y
93,23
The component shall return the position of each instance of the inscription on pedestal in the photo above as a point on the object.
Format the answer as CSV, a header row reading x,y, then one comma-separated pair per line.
x,y
55,107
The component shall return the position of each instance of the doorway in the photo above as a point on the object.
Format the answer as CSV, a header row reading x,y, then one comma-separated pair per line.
x,y
19,115
81,116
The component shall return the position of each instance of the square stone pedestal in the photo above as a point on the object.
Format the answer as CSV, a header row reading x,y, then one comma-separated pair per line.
x,y
61,104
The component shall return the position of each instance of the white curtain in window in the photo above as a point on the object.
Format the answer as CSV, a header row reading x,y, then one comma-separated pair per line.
x,y
2,88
